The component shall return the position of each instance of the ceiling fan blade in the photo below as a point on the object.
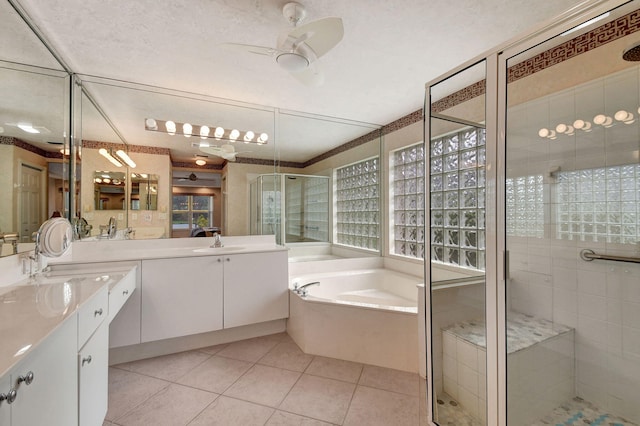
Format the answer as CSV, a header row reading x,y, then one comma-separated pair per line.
x,y
311,76
258,50
321,35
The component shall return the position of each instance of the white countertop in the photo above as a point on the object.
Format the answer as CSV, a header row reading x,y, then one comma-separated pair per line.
x,y
32,309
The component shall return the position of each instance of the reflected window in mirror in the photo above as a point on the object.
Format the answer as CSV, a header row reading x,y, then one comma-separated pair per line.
x,y
407,201
109,190
357,204
192,215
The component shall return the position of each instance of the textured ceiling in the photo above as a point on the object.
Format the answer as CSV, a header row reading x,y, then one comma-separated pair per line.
x,y
376,74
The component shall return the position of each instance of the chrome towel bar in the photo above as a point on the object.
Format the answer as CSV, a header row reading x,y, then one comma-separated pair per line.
x,y
589,255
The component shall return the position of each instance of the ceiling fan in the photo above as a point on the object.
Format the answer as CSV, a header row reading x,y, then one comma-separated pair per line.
x,y
225,151
298,50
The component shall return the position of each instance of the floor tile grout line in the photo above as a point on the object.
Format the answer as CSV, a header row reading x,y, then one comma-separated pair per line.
x,y
202,411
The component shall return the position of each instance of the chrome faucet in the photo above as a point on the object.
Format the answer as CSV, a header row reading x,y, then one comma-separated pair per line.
x,y
302,289
112,227
217,242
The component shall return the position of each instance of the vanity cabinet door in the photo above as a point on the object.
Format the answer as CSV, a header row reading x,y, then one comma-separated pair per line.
x,y
93,367
181,296
52,397
255,288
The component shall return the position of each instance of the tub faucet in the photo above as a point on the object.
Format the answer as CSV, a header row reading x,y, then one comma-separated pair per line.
x,y
302,289
217,242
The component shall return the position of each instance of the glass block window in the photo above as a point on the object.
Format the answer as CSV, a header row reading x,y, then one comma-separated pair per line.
x,y
600,205
457,187
407,193
357,204
525,206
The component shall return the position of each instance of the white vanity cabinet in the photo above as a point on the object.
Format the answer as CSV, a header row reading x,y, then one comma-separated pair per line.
x,y
181,296
255,288
51,398
5,408
93,381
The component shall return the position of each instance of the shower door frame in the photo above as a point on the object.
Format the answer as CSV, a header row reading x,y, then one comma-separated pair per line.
x,y
580,14
497,256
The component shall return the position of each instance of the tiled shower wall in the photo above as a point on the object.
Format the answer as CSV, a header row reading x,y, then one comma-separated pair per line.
x,y
600,299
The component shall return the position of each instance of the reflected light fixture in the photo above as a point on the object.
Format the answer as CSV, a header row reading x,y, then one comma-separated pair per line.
x,y
624,116
546,133
28,127
565,129
603,120
200,162
106,154
585,126
125,158
205,132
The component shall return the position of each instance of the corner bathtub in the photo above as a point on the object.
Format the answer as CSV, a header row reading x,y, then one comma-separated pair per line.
x,y
365,315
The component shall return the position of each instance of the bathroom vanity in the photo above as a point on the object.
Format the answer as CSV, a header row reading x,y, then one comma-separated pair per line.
x,y
140,298
54,353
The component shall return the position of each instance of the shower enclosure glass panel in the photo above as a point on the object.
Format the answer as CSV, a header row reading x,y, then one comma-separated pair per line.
x,y
456,194
573,184
305,205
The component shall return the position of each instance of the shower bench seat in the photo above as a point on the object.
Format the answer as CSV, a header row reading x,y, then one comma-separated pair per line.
x,y
540,365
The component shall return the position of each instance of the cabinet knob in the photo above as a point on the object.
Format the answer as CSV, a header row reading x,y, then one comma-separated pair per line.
x,y
9,396
125,292
26,379
219,260
228,259
87,360
97,312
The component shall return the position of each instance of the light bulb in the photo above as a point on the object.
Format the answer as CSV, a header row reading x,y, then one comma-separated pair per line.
x,y
234,134
543,133
200,162
204,132
187,129
218,133
585,126
563,128
624,116
263,138
171,127
98,180
603,120
248,137
151,124
106,180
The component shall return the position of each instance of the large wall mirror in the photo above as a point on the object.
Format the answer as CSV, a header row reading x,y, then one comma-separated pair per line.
x,y
115,116
33,134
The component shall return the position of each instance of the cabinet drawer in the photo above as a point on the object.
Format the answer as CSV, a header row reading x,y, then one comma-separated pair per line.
x,y
93,368
120,293
91,315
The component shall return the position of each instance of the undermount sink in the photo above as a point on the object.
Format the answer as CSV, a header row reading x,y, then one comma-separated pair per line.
x,y
218,249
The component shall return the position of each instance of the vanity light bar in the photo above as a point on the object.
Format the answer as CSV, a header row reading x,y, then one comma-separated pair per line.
x,y
205,132
118,158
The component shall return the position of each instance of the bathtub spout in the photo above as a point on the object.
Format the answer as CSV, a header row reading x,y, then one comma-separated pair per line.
x,y
302,290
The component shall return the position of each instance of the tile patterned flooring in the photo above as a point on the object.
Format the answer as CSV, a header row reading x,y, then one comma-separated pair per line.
x,y
261,381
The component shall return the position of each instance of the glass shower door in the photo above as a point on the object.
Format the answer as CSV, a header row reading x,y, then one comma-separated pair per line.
x,y
572,193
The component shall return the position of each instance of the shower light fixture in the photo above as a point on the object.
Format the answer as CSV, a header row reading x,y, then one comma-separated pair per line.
x,y
204,132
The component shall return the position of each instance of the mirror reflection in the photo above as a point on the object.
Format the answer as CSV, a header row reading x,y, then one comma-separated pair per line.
x,y
144,191
109,190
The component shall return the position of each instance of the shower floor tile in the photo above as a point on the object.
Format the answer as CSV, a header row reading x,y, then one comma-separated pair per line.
x,y
450,413
579,411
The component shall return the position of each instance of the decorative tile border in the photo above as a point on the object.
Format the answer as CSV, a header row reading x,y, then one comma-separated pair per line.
x,y
10,140
606,33
131,148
